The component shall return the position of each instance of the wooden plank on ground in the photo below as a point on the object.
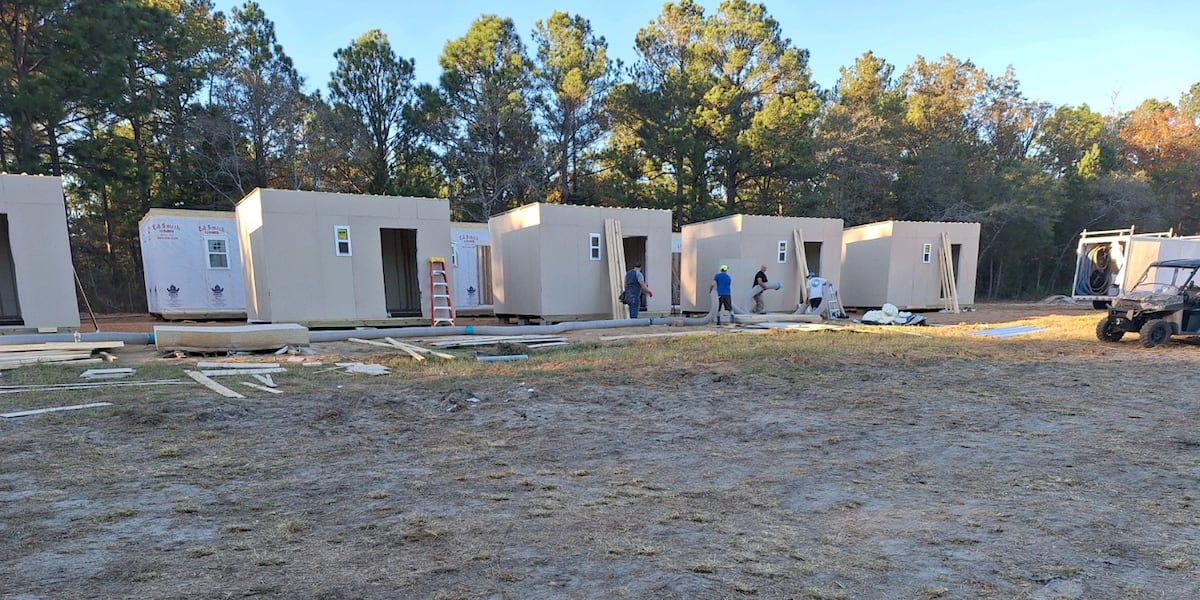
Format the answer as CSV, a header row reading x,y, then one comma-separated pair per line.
x,y
262,387
406,348
107,373
38,411
223,339
204,364
421,349
224,372
15,360
265,379
89,346
15,389
212,385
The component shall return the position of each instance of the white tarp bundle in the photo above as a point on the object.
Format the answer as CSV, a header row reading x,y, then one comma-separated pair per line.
x,y
890,314
192,263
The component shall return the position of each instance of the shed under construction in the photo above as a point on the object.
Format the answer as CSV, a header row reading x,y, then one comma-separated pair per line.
x,y
472,267
37,282
192,263
557,262
325,260
791,247
914,265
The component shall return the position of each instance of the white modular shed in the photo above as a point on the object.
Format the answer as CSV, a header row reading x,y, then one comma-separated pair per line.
x,y
325,259
897,262
37,282
471,284
744,243
192,263
552,261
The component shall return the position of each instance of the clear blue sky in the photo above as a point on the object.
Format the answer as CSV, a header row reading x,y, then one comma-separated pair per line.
x,y
1104,53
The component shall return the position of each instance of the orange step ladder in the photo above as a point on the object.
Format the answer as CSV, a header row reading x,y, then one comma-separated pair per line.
x,y
441,309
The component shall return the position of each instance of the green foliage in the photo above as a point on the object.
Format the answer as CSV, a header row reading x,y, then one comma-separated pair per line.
x,y
375,85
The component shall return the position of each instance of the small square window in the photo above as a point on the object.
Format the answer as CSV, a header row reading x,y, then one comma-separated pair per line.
x,y
341,240
927,253
218,253
781,252
594,246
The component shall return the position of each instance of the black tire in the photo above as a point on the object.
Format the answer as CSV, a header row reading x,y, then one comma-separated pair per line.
x,y
1106,331
1101,304
1155,332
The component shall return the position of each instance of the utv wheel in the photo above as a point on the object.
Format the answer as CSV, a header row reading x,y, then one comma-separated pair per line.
x,y
1155,333
1107,331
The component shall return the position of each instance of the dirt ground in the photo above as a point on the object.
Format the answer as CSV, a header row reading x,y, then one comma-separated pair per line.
x,y
1044,467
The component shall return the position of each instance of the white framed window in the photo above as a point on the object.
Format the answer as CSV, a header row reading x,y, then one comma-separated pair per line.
x,y
341,240
927,253
594,246
781,252
217,250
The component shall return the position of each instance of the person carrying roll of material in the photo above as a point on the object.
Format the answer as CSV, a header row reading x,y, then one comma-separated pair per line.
x,y
760,285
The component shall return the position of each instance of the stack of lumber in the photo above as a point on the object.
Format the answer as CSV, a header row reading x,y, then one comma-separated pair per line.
x,y
531,341
16,355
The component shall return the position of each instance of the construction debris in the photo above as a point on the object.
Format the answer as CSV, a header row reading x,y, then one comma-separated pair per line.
x,y
479,340
203,380
262,388
364,368
38,411
15,389
107,373
16,355
235,365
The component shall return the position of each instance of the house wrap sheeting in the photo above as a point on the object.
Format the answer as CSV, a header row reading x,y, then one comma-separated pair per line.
x,y
745,242
550,260
312,257
896,262
37,282
471,271
193,264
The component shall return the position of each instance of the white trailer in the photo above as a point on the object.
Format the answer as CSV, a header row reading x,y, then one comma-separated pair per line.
x,y
1109,262
192,264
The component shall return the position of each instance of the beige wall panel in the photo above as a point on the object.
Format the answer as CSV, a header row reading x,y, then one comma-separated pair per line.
x,y
251,236
542,265
755,239
41,250
883,263
308,280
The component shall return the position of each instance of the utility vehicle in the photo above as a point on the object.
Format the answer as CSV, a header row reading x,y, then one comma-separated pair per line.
x,y
1165,302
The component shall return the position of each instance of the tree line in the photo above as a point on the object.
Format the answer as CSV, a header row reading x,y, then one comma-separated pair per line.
x,y
175,104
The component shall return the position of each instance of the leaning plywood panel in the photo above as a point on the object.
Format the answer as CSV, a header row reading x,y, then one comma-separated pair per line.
x,y
233,338
192,264
37,286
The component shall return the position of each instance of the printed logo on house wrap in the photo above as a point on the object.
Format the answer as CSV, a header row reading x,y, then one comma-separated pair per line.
x,y
173,299
218,295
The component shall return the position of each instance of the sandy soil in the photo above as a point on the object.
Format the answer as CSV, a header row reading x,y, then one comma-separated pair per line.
x,y
1037,470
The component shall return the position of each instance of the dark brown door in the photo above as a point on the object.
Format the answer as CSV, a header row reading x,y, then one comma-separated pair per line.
x,y
402,289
